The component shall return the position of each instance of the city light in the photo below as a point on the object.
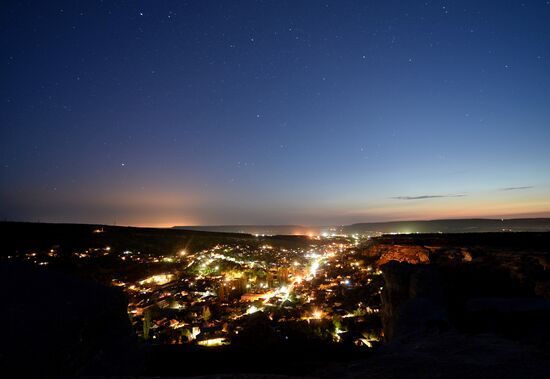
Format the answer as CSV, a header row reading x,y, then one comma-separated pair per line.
x,y
158,279
213,342
204,294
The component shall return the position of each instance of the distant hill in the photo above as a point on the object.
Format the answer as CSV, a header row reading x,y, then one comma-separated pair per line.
x,y
453,226
430,226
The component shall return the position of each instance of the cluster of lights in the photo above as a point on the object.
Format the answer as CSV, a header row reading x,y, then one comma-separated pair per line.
x,y
259,295
317,314
158,279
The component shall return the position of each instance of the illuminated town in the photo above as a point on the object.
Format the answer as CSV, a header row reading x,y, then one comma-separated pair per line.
x,y
325,290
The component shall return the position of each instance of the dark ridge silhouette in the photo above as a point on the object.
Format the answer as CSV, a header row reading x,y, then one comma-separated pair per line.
x,y
24,236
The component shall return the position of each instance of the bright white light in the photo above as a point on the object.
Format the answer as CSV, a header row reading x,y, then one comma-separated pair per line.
x,y
285,292
158,279
313,268
213,342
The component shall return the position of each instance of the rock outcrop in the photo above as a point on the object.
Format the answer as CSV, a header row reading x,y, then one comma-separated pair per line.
x,y
413,300
409,254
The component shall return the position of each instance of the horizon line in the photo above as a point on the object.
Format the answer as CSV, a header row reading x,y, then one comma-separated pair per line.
x,y
278,225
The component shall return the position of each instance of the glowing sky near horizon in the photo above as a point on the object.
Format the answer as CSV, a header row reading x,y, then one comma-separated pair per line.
x,y
273,112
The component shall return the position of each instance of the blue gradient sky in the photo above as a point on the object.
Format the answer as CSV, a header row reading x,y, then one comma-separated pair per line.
x,y
247,112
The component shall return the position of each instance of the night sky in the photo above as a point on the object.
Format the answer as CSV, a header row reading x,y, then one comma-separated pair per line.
x,y
168,113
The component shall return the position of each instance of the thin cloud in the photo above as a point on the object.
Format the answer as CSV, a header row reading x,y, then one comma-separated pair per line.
x,y
516,188
421,197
